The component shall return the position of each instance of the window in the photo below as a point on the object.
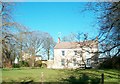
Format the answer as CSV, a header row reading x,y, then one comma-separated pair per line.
x,y
75,52
63,62
74,62
63,53
88,62
88,55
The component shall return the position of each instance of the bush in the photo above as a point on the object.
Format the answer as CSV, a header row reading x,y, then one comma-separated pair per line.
x,y
24,64
16,66
111,63
38,63
44,65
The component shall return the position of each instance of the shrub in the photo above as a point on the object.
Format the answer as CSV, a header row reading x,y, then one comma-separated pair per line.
x,y
111,63
24,64
38,63
16,66
44,65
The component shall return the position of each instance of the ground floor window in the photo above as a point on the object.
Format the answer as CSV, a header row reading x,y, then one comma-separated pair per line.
x,y
74,62
88,62
63,62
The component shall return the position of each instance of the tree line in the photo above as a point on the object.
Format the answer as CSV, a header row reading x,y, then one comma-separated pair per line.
x,y
17,39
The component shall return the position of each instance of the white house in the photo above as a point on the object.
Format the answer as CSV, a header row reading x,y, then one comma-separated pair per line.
x,y
75,54
26,56
38,57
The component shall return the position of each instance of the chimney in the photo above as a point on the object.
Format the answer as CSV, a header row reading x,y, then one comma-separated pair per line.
x,y
96,39
58,39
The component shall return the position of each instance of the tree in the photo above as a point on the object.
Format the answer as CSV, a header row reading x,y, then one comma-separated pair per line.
x,y
8,40
48,45
109,23
35,42
7,37
84,46
71,37
111,30
16,39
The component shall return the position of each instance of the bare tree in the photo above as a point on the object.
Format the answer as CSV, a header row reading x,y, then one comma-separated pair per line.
x,y
34,43
9,29
71,38
84,46
109,22
7,37
87,46
111,30
48,45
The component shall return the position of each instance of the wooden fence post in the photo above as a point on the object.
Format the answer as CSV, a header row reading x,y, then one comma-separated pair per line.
x,y
102,78
119,78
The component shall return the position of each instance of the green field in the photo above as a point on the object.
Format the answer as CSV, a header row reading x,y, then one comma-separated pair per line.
x,y
51,75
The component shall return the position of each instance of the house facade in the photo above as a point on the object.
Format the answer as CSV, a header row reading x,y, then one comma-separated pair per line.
x,y
75,54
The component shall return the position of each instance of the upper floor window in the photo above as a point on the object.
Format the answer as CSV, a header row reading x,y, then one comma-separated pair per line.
x,y
88,55
75,52
63,53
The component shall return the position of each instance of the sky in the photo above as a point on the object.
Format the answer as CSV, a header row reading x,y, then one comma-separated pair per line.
x,y
56,18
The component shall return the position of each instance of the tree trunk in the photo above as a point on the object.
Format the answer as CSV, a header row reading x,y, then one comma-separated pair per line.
x,y
48,53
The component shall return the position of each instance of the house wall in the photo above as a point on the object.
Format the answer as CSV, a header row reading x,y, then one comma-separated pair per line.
x,y
38,58
70,56
50,63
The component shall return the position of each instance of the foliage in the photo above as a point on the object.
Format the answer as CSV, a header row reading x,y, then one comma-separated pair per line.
x,y
111,63
44,65
24,64
16,65
38,63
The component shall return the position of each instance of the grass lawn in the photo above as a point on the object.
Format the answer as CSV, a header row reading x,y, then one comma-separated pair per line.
x,y
50,75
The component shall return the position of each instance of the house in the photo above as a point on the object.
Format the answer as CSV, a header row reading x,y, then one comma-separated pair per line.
x,y
75,54
26,56
38,57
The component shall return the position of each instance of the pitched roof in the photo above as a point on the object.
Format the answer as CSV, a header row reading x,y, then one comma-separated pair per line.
x,y
73,45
